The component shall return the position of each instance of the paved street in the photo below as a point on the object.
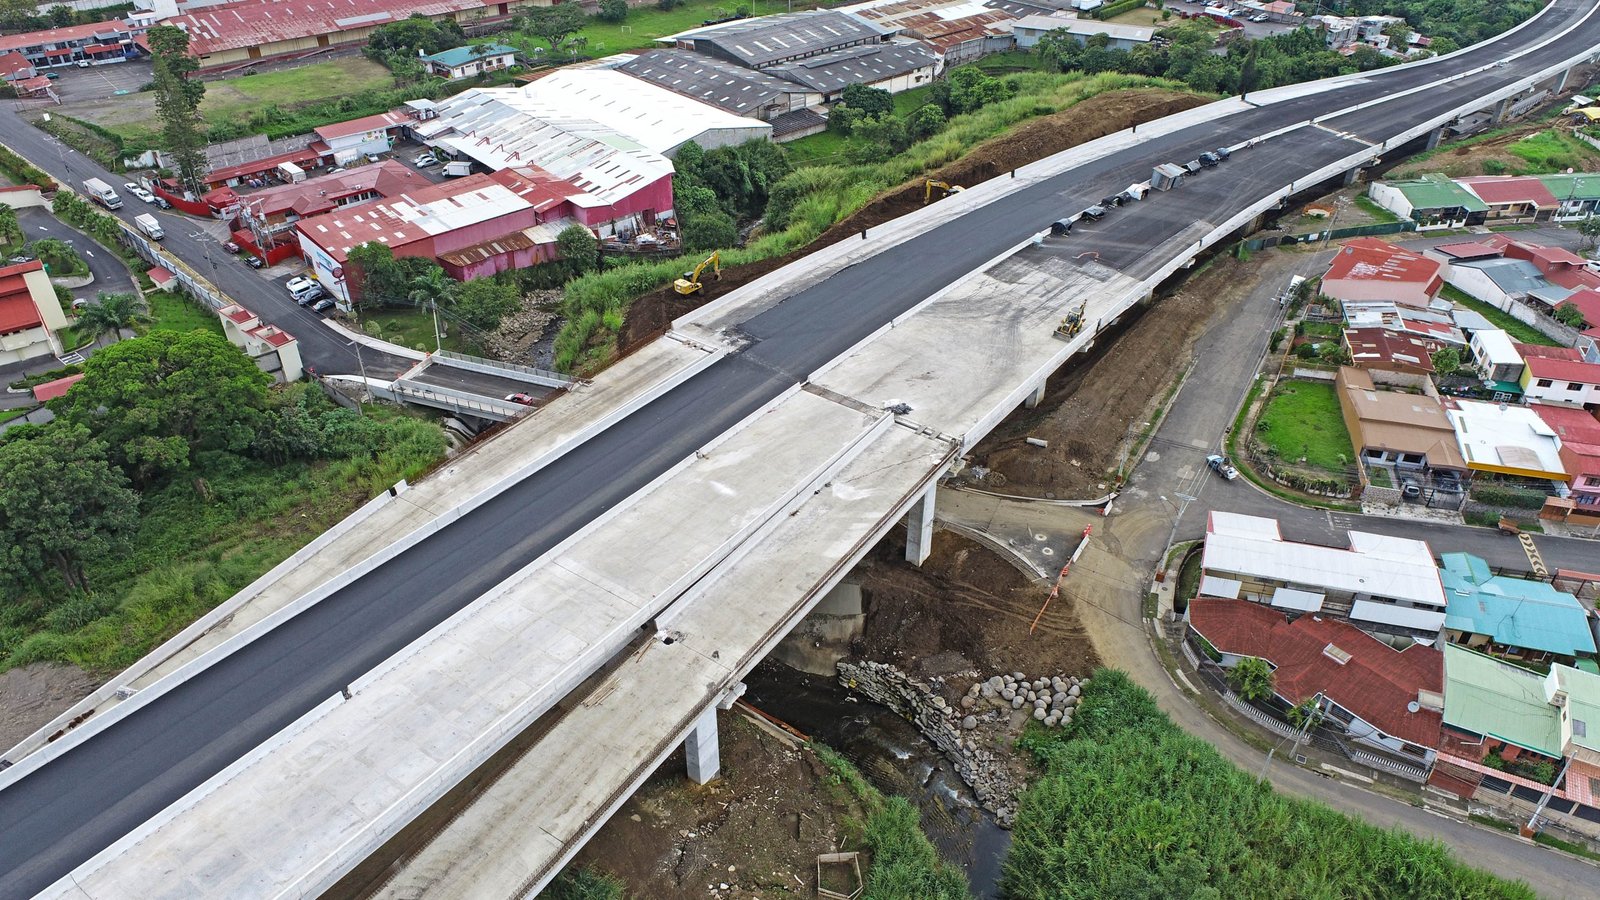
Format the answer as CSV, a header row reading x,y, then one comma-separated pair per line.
x,y
110,275
78,803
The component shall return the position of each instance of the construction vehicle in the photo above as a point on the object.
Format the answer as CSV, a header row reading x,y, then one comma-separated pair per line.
x,y
690,282
945,186
1072,324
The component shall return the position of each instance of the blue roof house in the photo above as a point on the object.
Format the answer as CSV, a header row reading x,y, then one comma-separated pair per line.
x,y
1513,618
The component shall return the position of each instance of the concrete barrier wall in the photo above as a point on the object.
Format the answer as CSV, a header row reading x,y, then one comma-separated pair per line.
x,y
25,196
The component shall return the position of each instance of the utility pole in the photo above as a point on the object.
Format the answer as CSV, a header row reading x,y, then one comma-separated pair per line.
x,y
366,387
1316,710
1530,829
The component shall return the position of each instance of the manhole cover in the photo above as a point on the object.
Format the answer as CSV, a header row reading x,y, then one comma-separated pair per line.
x,y
1040,537
1047,551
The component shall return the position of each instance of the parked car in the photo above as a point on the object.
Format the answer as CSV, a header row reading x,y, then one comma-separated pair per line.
x,y
1209,159
1221,466
162,202
303,289
1111,202
1222,152
1095,212
524,399
424,160
18,260
336,170
1410,490
52,75
139,192
82,64
323,305
254,262
231,247
1258,18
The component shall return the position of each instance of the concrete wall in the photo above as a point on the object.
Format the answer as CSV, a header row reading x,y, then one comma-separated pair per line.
x,y
25,197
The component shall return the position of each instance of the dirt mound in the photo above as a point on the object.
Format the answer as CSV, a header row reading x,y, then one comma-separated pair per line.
x,y
966,607
30,696
1092,409
1034,140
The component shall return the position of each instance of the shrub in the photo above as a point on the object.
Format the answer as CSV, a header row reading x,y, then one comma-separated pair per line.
x,y
613,11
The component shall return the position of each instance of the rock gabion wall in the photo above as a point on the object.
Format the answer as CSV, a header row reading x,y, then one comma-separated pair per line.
x,y
990,711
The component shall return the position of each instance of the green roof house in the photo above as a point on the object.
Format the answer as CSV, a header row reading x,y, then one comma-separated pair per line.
x,y
1512,617
465,62
1432,201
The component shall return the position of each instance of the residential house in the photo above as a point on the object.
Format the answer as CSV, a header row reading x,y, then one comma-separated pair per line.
x,y
1579,433
1379,697
31,319
1384,582
1407,435
1030,29
1502,439
274,350
1498,362
1431,201
1515,618
1587,303
1371,269
1433,327
1512,198
348,142
1380,348
465,62
1523,718
1502,281
1565,380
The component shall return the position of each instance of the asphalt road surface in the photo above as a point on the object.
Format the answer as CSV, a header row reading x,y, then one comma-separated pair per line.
x,y
79,803
110,275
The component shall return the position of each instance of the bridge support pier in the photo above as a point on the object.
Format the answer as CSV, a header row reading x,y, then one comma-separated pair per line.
x,y
919,528
1351,176
1501,110
1434,137
701,751
1561,81
1035,398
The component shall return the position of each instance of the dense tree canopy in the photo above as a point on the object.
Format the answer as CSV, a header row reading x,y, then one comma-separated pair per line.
x,y
553,24
178,94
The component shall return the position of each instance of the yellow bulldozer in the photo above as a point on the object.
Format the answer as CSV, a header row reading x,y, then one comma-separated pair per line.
x,y
1072,324
944,187
690,282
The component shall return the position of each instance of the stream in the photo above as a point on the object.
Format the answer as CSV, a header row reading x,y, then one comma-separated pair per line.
x,y
894,757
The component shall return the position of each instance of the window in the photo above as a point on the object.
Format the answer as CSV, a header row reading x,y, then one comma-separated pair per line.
x,y
1545,382
1574,386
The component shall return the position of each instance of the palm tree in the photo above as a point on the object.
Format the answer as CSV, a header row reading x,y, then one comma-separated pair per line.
x,y
1252,678
10,228
111,313
431,288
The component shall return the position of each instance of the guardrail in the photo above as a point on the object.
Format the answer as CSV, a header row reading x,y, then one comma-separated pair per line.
x,y
543,377
460,401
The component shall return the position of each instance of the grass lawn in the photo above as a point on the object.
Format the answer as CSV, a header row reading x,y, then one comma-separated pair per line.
x,y
7,415
822,147
411,328
233,98
174,313
1011,61
1519,330
1302,419
1379,214
1553,151
1188,582
908,102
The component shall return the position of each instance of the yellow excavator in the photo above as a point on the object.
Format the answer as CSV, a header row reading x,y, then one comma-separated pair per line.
x,y
1072,324
946,187
690,282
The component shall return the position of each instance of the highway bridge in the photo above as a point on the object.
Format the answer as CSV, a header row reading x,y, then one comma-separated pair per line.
x,y
644,540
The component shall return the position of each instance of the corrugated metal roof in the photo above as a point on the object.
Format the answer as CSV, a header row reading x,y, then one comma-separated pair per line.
x,y
766,40
1438,192
257,23
868,64
1513,611
721,84
657,119
1485,696
460,56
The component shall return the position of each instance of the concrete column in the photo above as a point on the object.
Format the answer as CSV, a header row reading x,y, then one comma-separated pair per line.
x,y
1035,398
1434,137
700,749
1351,176
1561,81
1501,110
919,528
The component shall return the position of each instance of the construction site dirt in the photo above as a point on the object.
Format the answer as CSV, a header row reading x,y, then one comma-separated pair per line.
x,y
1094,118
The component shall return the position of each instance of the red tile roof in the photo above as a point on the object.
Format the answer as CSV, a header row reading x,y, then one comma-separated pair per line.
x,y
1587,302
1468,250
237,314
272,335
257,23
1376,682
17,309
1497,189
1563,369
53,389
62,35
13,64
379,122
1380,348
1388,268
323,193
159,276
1545,352
1572,424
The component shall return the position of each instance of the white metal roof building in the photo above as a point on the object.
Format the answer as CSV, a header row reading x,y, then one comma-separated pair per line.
x,y
1385,580
660,120
1509,440
503,127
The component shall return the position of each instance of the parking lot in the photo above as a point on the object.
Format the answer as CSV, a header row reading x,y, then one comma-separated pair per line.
x,y
100,82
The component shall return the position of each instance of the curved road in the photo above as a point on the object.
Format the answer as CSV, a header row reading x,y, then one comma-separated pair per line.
x,y
75,805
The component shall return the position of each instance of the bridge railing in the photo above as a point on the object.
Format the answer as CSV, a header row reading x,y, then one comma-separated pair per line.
x,y
543,377
459,401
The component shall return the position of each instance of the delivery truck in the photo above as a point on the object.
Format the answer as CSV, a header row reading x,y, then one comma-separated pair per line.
x,y
151,228
458,168
102,193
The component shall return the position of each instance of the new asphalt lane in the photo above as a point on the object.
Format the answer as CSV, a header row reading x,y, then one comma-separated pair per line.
x,y
80,802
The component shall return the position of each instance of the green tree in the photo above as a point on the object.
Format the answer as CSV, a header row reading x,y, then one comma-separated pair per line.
x,y
159,398
579,247
924,122
418,32
613,11
668,5
431,286
1569,315
1590,229
553,24
178,96
1248,76
1446,361
703,225
483,302
1251,678
58,255
61,503
878,139
870,100
844,119
10,229
971,88
112,314
376,274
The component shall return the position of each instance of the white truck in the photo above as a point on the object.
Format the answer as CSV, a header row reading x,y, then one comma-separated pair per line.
x,y
102,193
151,228
458,168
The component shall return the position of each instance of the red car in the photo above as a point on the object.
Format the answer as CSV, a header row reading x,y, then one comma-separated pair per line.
x,y
230,246
524,399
